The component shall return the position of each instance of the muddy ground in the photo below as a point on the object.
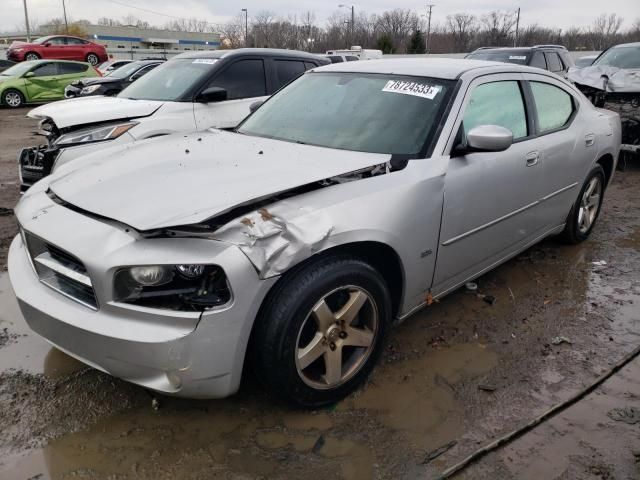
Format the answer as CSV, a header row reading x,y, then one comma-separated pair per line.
x,y
461,373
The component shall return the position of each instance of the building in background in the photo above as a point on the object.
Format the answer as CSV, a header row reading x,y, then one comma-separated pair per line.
x,y
126,41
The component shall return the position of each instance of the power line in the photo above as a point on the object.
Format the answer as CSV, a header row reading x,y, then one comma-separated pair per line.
x,y
217,25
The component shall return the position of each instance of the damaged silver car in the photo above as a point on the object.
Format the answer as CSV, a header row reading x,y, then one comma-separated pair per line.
x,y
352,198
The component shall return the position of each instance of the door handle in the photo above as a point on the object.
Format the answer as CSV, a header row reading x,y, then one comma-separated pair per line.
x,y
532,158
589,139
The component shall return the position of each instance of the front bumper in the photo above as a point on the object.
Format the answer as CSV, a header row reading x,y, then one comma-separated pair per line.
x,y
15,56
71,91
181,353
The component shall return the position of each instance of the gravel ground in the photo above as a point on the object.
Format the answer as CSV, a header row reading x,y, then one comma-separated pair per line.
x,y
459,374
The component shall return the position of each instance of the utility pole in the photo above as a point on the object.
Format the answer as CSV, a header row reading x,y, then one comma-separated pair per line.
x,y
26,19
66,24
430,7
353,20
246,27
515,40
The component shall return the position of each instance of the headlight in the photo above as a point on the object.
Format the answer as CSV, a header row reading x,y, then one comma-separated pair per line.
x,y
97,134
90,89
172,287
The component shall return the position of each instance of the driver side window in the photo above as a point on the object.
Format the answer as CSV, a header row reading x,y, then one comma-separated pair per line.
x,y
45,70
243,79
497,103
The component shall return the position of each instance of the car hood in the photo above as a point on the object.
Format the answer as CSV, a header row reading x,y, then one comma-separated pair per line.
x,y
186,179
96,81
83,110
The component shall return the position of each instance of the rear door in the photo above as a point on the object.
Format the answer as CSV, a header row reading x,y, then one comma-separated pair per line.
x,y
491,198
245,80
566,145
75,49
68,73
43,85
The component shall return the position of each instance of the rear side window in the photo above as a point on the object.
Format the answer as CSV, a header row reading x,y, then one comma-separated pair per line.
x,y
335,59
57,41
497,103
538,61
243,79
554,106
71,68
45,70
75,41
309,65
554,62
287,70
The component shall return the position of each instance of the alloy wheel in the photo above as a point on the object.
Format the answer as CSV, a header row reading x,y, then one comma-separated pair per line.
x,y
31,56
337,337
13,99
589,204
92,59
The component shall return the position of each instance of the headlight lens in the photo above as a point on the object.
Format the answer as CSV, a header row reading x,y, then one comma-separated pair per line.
x,y
98,134
172,287
90,89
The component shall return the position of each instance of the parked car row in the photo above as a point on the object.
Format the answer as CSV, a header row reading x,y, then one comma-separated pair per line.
x,y
329,202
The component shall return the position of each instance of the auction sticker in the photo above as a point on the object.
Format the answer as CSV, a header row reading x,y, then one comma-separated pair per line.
x,y
412,88
208,61
518,57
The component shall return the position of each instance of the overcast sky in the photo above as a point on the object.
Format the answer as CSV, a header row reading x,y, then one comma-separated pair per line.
x,y
556,13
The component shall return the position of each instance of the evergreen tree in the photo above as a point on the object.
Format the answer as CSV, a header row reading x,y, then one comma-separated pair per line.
x,y
385,44
416,42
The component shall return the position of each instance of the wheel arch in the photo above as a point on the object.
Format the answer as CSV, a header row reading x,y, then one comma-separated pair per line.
x,y
607,162
17,89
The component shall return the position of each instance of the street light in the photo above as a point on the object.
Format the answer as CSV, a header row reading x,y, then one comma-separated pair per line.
x,y
353,19
246,27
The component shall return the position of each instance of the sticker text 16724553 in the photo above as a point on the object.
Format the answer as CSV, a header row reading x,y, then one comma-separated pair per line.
x,y
416,89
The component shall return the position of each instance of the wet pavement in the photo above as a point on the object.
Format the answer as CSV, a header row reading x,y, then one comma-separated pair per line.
x,y
460,374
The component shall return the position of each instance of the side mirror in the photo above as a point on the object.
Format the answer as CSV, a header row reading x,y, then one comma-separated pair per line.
x,y
46,44
489,138
212,94
28,75
255,105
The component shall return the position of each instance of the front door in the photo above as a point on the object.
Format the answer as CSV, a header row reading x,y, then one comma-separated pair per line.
x,y
245,82
491,198
43,84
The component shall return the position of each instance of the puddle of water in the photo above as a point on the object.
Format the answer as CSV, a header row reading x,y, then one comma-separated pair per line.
x,y
25,350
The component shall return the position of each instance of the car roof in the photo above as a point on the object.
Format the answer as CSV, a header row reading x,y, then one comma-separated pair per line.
x,y
632,44
270,52
50,60
445,68
518,49
147,62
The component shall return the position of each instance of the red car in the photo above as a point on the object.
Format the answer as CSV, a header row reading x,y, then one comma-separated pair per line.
x,y
59,47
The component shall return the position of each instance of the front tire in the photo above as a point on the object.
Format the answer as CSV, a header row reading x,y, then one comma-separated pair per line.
x,y
93,59
320,331
32,56
584,213
13,98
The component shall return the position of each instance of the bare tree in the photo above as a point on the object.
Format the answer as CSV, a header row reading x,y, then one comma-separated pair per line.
x,y
498,28
397,24
233,32
604,30
462,27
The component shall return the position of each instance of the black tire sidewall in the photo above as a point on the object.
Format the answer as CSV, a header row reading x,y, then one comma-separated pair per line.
x,y
10,90
572,231
285,312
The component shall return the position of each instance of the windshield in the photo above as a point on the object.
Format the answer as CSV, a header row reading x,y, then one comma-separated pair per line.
x,y
621,57
124,71
354,111
519,58
169,81
41,40
19,69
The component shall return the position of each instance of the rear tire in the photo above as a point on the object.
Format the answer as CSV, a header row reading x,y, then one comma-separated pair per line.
x,y
320,331
584,213
13,98
93,59
32,56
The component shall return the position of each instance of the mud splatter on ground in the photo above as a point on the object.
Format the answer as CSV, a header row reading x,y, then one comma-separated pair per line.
x,y
59,419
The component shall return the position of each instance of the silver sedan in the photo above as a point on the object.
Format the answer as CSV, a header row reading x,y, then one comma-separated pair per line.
x,y
347,201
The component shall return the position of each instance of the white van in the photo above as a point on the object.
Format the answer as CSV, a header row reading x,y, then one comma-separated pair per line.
x,y
356,51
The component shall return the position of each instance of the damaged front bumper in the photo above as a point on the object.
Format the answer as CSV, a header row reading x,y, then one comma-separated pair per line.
x,y
190,354
35,163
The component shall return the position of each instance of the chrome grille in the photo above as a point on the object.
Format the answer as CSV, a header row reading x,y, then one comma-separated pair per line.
x,y
61,271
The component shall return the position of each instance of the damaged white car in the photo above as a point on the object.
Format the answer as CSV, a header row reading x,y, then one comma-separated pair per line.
x,y
350,199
